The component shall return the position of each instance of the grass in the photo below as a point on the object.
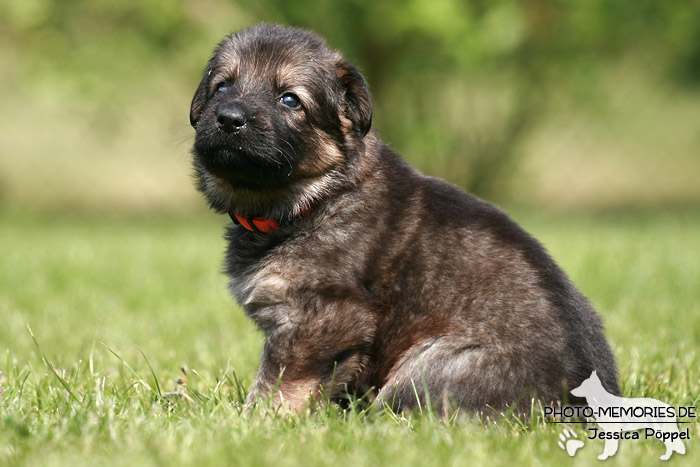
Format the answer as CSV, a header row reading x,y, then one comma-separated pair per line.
x,y
137,355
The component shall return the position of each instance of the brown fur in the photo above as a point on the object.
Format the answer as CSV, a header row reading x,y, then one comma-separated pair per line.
x,y
394,281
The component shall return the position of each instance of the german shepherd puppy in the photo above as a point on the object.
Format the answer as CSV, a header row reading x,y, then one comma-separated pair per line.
x,y
363,273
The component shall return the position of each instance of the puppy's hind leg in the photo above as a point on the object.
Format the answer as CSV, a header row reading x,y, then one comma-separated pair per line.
x,y
470,376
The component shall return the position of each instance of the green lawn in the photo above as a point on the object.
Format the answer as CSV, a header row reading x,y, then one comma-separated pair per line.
x,y
118,306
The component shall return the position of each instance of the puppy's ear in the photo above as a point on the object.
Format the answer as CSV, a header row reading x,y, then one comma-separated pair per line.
x,y
358,104
199,99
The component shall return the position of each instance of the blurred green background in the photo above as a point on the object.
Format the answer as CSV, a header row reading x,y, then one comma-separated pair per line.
x,y
549,103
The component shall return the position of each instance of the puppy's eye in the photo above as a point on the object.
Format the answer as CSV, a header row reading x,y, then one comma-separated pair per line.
x,y
290,100
222,87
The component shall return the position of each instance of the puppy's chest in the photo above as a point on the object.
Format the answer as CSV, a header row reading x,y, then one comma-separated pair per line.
x,y
264,293
275,290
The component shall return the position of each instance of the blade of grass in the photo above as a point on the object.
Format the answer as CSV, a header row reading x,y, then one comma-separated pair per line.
x,y
128,367
153,373
51,367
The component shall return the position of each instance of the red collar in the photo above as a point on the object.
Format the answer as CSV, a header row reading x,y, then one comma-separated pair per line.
x,y
255,224
260,224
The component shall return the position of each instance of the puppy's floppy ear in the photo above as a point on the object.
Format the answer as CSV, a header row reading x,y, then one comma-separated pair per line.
x,y
358,104
199,99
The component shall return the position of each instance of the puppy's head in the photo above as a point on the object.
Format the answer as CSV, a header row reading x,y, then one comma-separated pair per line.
x,y
280,121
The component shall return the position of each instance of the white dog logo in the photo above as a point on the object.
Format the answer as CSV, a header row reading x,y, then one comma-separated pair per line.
x,y
616,415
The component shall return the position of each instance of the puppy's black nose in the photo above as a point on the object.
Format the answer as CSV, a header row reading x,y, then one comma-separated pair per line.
x,y
231,118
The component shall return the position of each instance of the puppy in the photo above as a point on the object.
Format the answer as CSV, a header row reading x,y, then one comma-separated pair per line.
x,y
364,274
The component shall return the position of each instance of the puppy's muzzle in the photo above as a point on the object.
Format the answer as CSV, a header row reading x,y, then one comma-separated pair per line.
x,y
231,118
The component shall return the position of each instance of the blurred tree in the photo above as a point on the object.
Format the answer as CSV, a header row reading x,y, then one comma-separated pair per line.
x,y
91,47
457,84
427,61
